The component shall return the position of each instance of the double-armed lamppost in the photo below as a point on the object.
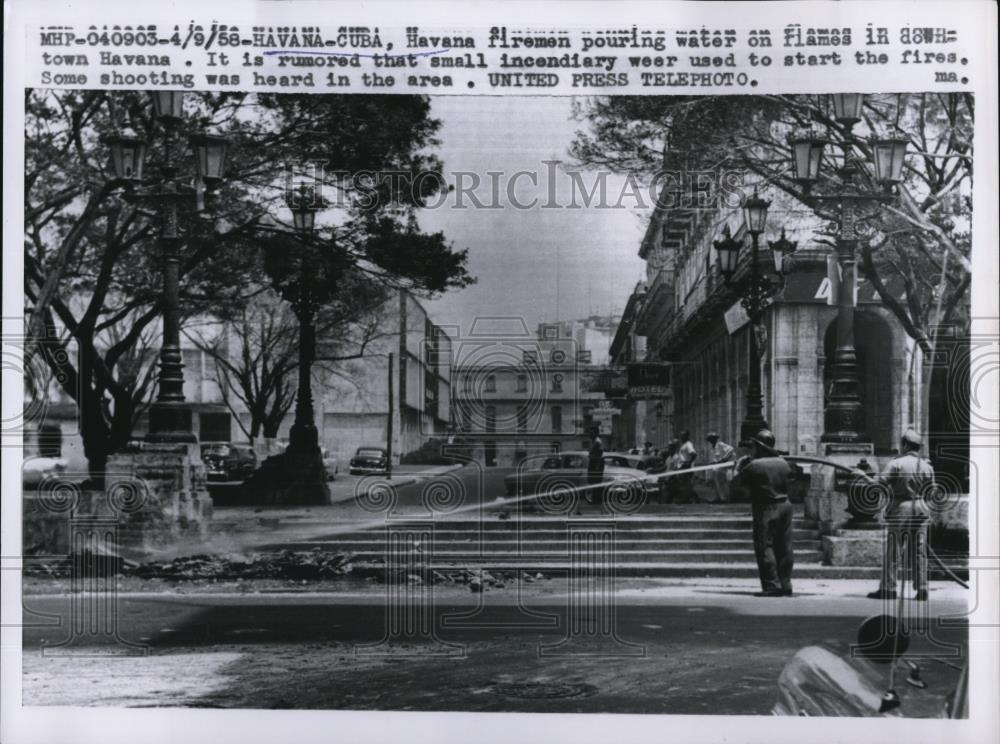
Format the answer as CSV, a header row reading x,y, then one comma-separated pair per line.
x,y
169,418
303,438
756,288
854,197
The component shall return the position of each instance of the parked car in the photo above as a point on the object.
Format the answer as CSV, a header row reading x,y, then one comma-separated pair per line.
x,y
330,463
635,460
539,474
34,470
369,461
225,461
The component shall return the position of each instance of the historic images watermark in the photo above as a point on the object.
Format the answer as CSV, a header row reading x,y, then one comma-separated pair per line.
x,y
552,185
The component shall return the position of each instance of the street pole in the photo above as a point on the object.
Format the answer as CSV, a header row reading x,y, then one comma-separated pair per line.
x,y
169,419
388,424
756,292
753,418
303,438
844,416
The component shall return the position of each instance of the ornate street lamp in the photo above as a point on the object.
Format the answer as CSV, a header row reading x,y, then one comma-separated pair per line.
x,y
847,108
755,214
728,251
756,290
807,157
169,419
888,157
303,437
210,157
128,157
781,249
843,419
168,105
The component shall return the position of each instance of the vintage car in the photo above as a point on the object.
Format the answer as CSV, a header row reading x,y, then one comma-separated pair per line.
x,y
369,461
228,462
635,460
37,469
563,471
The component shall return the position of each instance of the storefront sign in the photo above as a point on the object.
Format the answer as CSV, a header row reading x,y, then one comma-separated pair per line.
x,y
648,380
736,317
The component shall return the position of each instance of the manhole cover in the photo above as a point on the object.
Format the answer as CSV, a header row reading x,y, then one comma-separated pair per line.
x,y
546,690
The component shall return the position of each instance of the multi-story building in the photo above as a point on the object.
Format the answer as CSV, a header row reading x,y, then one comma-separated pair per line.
x,y
686,316
518,395
353,404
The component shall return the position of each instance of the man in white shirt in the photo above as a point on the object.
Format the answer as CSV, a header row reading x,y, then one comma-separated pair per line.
x,y
720,452
686,455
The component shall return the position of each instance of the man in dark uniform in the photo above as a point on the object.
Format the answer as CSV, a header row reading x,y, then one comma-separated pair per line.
x,y
766,476
595,471
909,477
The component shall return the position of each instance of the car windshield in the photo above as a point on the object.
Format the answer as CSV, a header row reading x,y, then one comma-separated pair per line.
x,y
216,449
551,463
370,452
574,461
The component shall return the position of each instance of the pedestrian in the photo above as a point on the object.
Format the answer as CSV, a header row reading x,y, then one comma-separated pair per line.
x,y
595,471
908,477
720,452
766,475
670,459
687,454
647,449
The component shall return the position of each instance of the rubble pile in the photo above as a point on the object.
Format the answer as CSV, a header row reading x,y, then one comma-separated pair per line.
x,y
286,564
477,579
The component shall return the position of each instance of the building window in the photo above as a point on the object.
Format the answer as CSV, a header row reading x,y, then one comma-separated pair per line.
x,y
522,383
556,418
529,356
557,383
466,383
491,384
522,420
583,356
491,419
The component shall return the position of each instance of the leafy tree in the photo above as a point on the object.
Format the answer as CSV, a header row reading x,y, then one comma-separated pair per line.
x,y
922,242
92,275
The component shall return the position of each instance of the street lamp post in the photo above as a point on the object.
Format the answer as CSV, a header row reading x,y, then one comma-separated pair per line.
x,y
756,290
169,418
303,438
843,418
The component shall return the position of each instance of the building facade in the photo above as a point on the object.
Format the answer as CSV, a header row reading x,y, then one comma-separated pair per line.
x,y
516,396
686,316
352,399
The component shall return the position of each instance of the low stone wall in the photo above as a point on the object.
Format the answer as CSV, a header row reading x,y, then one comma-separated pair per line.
x,y
948,531
153,496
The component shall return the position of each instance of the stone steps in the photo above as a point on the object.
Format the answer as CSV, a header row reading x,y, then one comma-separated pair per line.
x,y
621,556
684,542
659,569
475,545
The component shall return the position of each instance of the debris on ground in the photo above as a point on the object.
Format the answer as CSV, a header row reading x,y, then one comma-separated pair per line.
x,y
285,564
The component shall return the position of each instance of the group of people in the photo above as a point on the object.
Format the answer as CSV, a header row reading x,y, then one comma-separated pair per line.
x,y
908,477
680,454
766,476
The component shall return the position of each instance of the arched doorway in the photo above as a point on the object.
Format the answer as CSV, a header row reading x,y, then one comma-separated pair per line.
x,y
873,347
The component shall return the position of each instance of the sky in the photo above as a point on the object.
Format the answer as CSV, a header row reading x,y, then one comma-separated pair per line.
x,y
540,263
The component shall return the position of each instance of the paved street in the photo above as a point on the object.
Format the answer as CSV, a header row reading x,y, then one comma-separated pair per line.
x,y
688,647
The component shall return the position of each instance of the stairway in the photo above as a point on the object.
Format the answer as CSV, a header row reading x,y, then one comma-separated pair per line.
x,y
676,541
